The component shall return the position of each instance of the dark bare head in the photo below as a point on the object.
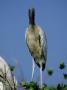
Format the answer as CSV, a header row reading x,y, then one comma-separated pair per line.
x,y
31,14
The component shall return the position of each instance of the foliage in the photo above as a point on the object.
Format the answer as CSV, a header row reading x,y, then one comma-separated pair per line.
x,y
65,76
34,86
30,86
62,65
12,68
50,71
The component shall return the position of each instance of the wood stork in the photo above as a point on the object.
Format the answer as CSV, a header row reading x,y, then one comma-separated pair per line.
x,y
36,43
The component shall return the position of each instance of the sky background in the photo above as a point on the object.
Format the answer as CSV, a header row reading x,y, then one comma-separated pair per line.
x,y
51,16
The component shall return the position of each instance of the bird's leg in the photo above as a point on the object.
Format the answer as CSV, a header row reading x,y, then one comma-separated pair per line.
x,y
41,77
33,67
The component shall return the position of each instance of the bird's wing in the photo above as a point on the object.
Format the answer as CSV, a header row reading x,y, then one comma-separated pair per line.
x,y
26,35
43,43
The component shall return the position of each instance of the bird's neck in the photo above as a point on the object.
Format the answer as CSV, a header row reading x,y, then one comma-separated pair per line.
x,y
32,28
32,21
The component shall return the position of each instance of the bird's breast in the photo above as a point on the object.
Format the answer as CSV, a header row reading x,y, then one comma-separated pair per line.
x,y
33,40
33,43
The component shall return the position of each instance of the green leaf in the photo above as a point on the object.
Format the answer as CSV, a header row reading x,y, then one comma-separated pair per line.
x,y
65,76
62,65
12,68
46,88
31,88
50,71
24,84
60,86
34,85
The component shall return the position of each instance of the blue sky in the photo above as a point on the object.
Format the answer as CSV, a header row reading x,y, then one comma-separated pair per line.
x,y
51,15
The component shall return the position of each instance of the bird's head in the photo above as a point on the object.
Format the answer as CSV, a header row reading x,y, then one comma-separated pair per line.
x,y
31,14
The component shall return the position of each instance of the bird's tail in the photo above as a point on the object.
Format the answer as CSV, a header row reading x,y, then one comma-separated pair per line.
x,y
41,64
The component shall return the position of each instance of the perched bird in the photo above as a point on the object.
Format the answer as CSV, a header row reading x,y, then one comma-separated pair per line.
x,y
36,43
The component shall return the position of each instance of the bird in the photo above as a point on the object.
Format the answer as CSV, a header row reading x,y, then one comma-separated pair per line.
x,y
37,43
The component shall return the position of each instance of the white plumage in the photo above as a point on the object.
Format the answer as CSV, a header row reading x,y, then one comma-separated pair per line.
x,y
36,43
6,79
